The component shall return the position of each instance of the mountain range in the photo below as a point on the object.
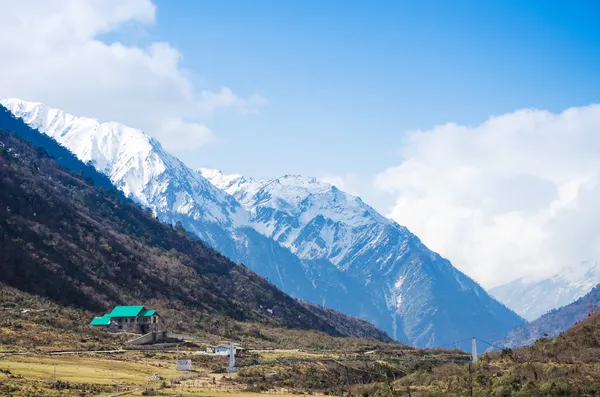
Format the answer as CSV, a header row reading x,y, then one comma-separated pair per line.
x,y
556,321
321,224
79,245
309,238
533,298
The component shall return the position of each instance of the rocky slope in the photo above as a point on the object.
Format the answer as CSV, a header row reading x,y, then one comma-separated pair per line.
x,y
427,300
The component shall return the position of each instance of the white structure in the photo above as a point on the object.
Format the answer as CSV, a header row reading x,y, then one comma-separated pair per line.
x,y
184,365
224,350
474,350
231,367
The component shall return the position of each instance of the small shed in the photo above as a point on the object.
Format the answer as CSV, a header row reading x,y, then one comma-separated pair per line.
x,y
224,349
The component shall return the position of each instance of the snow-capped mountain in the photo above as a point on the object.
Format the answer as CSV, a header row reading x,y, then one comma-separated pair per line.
x,y
319,222
310,239
136,164
139,166
533,298
286,208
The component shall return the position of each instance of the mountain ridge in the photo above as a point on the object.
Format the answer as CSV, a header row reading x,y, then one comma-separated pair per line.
x,y
323,245
69,241
317,221
533,298
553,323
165,185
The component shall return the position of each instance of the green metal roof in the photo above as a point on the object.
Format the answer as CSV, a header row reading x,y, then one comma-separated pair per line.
x,y
123,311
126,311
104,320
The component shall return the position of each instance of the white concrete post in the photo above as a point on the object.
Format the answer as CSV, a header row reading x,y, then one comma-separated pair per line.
x,y
474,350
231,367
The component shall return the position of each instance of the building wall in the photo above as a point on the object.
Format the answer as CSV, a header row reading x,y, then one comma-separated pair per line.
x,y
222,350
137,324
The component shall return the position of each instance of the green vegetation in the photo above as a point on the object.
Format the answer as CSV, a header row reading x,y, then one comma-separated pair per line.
x,y
154,373
564,366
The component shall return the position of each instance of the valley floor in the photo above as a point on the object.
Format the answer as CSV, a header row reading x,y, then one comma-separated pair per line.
x,y
48,350
136,373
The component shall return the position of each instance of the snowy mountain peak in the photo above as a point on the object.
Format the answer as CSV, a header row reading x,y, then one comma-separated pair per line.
x,y
295,195
123,153
321,224
313,219
229,183
135,162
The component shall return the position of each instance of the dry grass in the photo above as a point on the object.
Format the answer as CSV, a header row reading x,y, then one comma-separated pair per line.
x,y
89,369
203,392
282,354
104,374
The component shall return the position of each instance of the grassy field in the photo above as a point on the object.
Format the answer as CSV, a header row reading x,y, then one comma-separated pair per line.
x,y
198,392
287,361
88,369
104,374
44,375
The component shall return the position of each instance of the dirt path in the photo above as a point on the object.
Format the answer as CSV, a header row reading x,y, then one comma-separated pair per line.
x,y
6,354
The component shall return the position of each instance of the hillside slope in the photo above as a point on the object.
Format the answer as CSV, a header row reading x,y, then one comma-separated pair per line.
x,y
76,244
566,365
580,343
554,322
419,294
531,299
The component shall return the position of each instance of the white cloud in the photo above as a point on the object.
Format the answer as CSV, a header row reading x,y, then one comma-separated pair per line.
x,y
52,52
515,196
211,101
184,136
347,182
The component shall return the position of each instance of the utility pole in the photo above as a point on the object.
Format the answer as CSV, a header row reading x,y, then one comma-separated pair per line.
x,y
474,350
231,367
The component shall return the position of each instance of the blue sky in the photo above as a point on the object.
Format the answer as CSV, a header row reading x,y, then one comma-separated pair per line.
x,y
356,92
345,79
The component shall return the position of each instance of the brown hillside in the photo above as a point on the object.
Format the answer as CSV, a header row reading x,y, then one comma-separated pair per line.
x,y
563,366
